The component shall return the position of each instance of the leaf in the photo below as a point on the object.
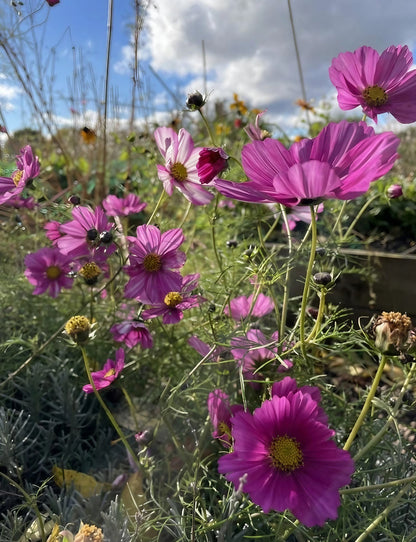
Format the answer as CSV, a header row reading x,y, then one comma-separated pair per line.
x,y
84,483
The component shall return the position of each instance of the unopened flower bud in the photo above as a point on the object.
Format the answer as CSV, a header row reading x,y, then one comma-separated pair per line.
x,y
394,191
322,278
74,200
92,234
106,237
320,251
195,101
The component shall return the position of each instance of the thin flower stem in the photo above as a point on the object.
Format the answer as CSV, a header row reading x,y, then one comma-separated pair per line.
x,y
285,303
316,328
185,216
158,204
298,62
208,127
393,503
377,487
357,218
367,404
337,224
31,502
305,295
108,412
390,420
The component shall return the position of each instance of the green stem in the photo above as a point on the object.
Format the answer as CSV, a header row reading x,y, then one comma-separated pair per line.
x,y
309,269
31,502
390,420
285,302
108,412
316,328
208,127
367,404
158,204
357,218
394,502
377,487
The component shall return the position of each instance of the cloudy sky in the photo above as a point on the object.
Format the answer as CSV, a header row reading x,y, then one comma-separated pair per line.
x,y
248,43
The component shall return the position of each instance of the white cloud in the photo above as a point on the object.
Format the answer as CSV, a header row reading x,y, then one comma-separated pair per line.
x,y
249,44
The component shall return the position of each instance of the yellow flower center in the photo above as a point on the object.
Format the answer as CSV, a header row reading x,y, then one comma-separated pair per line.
x,y
53,272
179,172
286,454
172,299
375,96
110,372
16,176
152,262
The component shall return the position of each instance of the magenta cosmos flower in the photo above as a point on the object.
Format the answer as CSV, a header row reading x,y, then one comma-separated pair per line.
x,y
132,332
107,375
154,259
180,169
220,413
378,83
89,232
48,270
243,306
204,349
339,163
27,169
115,206
288,458
172,305
211,162
255,350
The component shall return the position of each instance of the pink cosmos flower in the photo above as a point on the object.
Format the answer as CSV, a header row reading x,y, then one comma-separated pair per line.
x,y
203,348
180,169
288,458
378,83
154,259
27,169
173,304
132,332
107,375
254,132
211,163
89,232
115,206
253,351
52,230
243,306
48,269
220,412
21,203
340,163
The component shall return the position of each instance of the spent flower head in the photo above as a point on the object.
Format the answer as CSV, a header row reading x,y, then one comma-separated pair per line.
x,y
78,328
